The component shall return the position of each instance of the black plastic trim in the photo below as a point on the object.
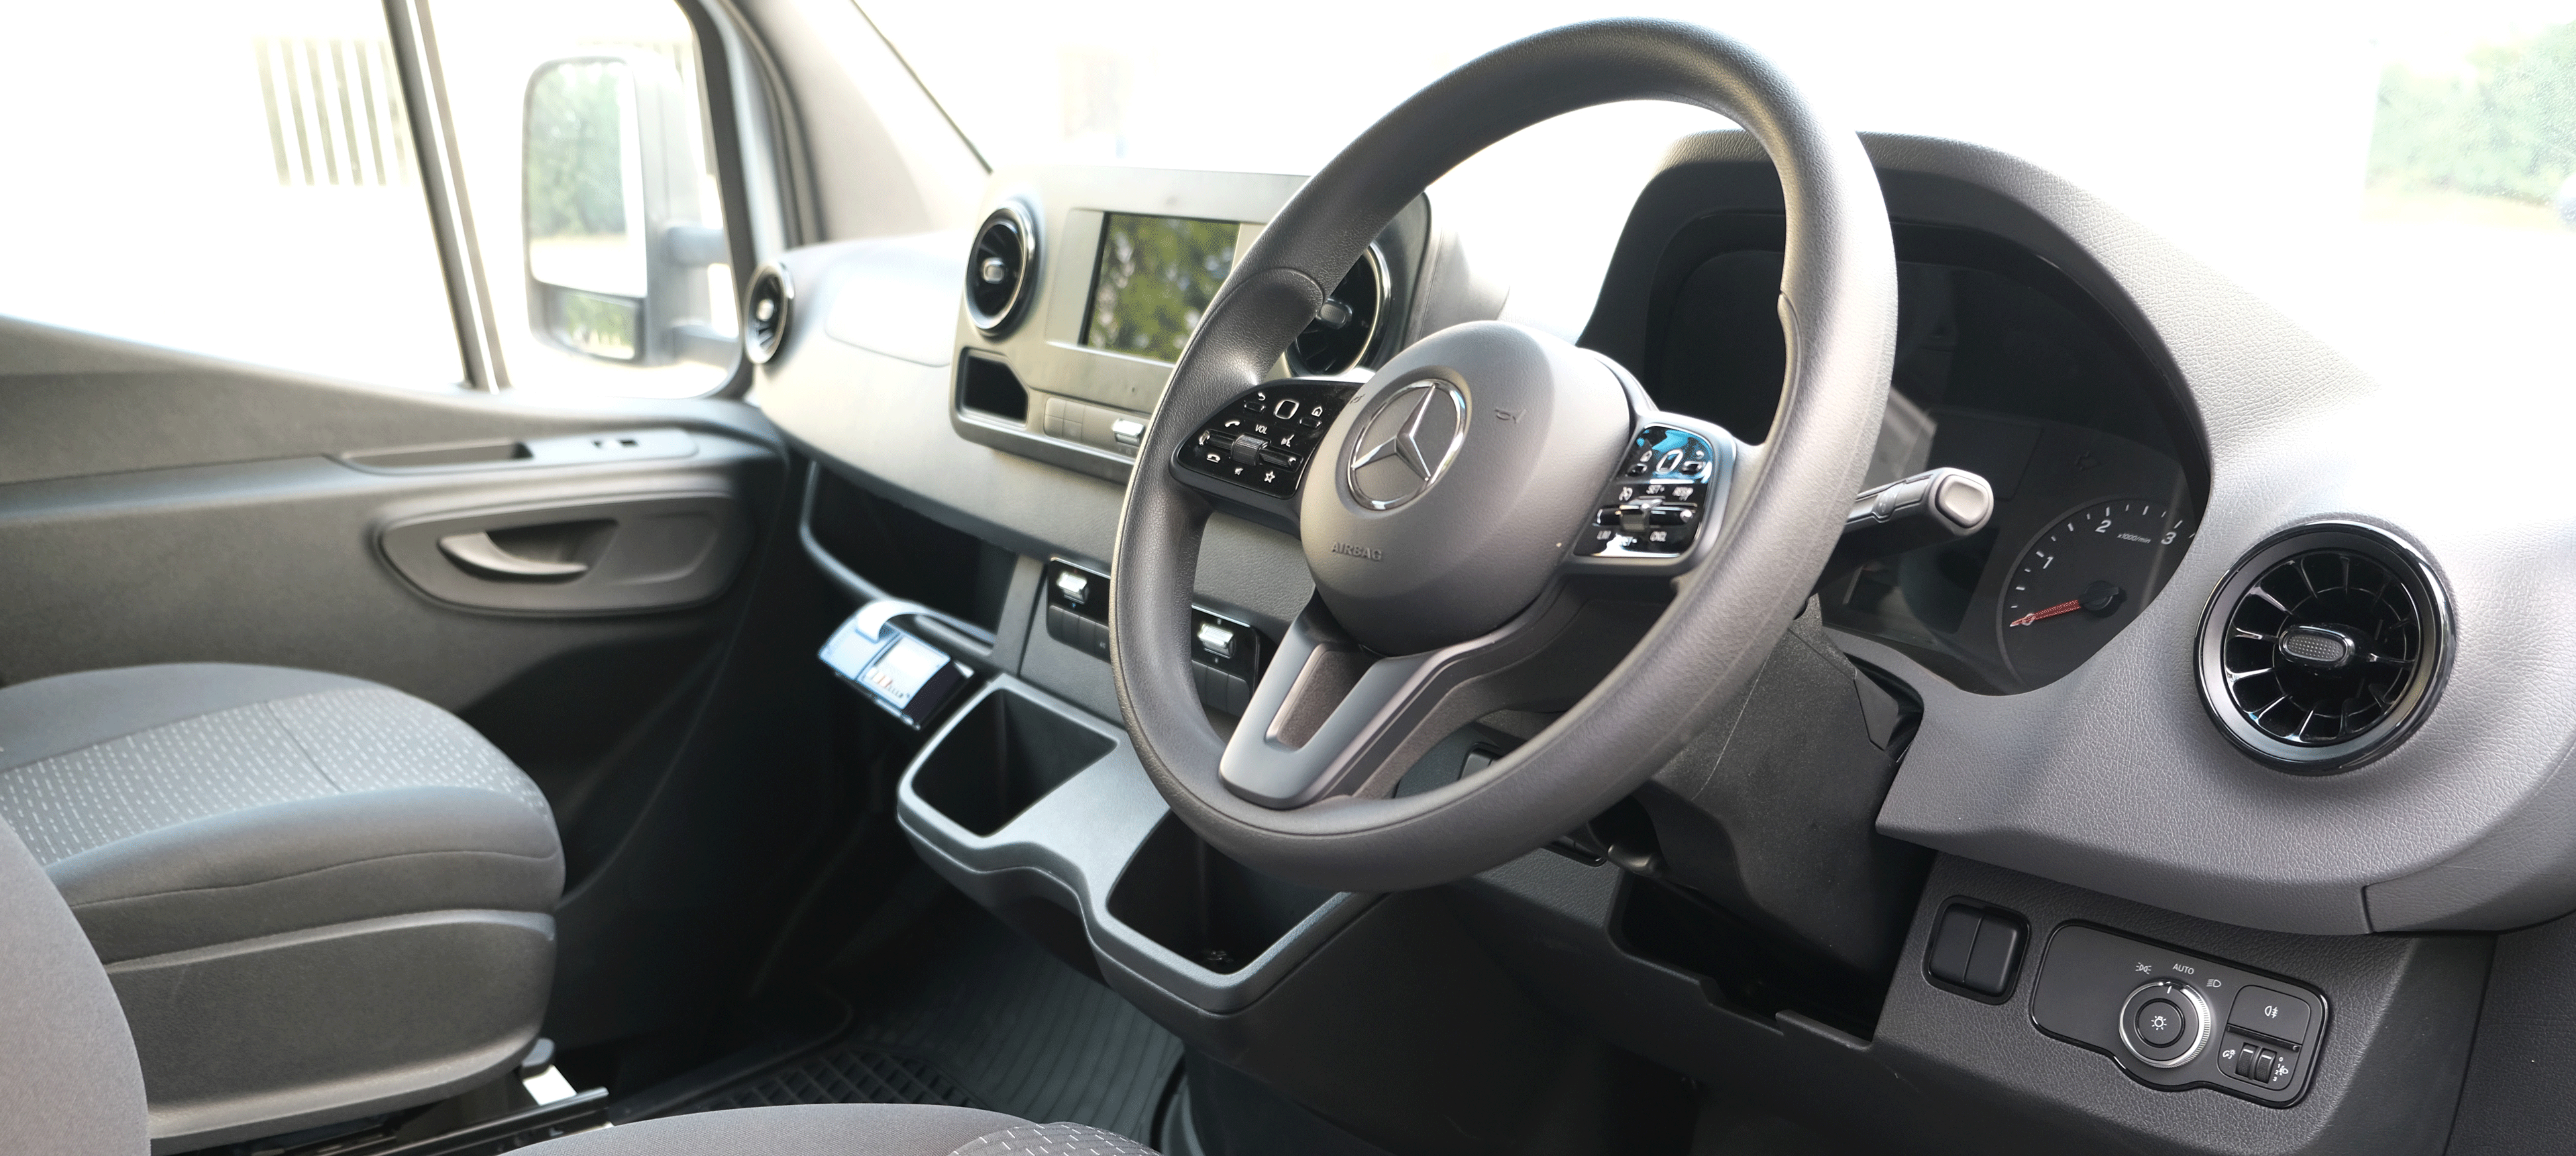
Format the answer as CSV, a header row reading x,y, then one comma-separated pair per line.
x,y
2312,1049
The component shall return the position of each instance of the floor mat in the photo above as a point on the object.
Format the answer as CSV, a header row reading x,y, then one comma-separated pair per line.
x,y
981,1018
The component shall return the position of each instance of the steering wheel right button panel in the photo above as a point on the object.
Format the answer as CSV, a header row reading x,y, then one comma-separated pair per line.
x,y
1655,506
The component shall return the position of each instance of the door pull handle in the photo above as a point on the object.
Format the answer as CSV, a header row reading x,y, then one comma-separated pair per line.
x,y
479,555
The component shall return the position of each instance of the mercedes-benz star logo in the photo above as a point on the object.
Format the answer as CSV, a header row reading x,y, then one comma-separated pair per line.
x,y
1407,442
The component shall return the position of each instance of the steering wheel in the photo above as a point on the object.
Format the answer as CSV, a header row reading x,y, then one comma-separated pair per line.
x,y
1497,520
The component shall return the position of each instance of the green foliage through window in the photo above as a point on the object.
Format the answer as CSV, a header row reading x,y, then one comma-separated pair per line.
x,y
575,153
2507,128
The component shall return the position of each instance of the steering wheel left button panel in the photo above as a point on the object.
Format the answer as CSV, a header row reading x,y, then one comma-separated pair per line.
x,y
1264,440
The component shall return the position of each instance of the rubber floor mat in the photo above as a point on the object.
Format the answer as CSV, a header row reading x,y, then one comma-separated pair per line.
x,y
980,1017
845,1076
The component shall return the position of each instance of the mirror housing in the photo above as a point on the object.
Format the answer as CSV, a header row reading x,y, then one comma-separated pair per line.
x,y
614,248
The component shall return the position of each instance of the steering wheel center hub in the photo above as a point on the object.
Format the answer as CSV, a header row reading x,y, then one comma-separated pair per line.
x,y
1406,443
1460,474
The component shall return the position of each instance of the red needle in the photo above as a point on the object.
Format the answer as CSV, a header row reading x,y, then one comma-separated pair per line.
x,y
2068,607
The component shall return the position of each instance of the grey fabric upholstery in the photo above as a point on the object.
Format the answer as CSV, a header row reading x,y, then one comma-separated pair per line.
x,y
190,805
803,1130
51,716
282,1032
310,863
69,1083
317,897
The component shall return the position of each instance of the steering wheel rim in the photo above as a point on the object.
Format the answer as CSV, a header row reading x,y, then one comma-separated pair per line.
x,y
1781,518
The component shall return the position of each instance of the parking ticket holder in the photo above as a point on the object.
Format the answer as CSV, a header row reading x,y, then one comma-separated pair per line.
x,y
910,678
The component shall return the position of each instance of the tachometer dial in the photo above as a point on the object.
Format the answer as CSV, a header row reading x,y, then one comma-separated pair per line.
x,y
2082,579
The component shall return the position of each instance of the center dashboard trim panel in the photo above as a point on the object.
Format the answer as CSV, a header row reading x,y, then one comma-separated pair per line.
x,y
1078,391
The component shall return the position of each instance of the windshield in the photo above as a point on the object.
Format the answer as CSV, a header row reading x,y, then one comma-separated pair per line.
x,y
2397,178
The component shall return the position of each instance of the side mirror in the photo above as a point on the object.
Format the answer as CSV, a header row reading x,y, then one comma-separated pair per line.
x,y
616,253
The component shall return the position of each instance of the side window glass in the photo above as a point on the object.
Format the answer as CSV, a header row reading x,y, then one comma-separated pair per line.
x,y
581,129
240,182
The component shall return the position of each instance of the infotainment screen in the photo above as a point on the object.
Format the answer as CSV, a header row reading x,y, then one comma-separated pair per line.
x,y
1154,280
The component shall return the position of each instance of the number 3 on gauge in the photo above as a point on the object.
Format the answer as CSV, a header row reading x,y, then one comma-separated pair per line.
x,y
2082,577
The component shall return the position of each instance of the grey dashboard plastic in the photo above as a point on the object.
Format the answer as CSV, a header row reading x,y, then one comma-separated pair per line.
x,y
2113,778
883,420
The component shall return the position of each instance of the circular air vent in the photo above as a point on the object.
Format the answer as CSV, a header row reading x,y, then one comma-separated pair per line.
x,y
998,271
2325,645
766,307
1343,330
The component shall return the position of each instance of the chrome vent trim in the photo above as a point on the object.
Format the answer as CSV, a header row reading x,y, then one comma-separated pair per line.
x,y
1331,345
1000,269
2324,647
768,308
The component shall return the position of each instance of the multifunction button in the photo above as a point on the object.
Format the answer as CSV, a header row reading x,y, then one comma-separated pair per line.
x,y
1265,438
1226,656
1655,506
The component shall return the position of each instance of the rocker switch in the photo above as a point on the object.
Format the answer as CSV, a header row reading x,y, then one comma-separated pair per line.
x,y
1976,948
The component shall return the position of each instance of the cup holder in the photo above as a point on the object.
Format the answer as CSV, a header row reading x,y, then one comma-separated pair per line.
x,y
1003,756
1208,909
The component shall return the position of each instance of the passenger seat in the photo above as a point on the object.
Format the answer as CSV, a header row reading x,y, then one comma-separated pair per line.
x,y
317,897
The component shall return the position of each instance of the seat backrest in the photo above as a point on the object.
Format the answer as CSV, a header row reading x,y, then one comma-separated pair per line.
x,y
69,1082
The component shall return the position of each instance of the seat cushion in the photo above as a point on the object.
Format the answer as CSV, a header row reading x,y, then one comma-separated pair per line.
x,y
845,1130
190,805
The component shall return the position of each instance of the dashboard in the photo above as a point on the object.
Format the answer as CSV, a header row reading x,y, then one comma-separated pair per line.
x,y
1078,299
2211,679
2038,351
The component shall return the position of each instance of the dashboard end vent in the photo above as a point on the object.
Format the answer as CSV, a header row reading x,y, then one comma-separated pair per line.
x,y
766,309
999,270
2324,647
1342,333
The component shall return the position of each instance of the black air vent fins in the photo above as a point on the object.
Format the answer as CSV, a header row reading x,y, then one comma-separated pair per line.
x,y
2323,647
766,309
998,271
1341,334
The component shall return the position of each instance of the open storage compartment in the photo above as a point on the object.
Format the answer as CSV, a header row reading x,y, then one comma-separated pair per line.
x,y
1206,908
1001,757
904,553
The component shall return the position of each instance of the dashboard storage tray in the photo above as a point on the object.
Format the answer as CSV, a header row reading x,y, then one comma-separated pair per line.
x,y
1002,757
1206,908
